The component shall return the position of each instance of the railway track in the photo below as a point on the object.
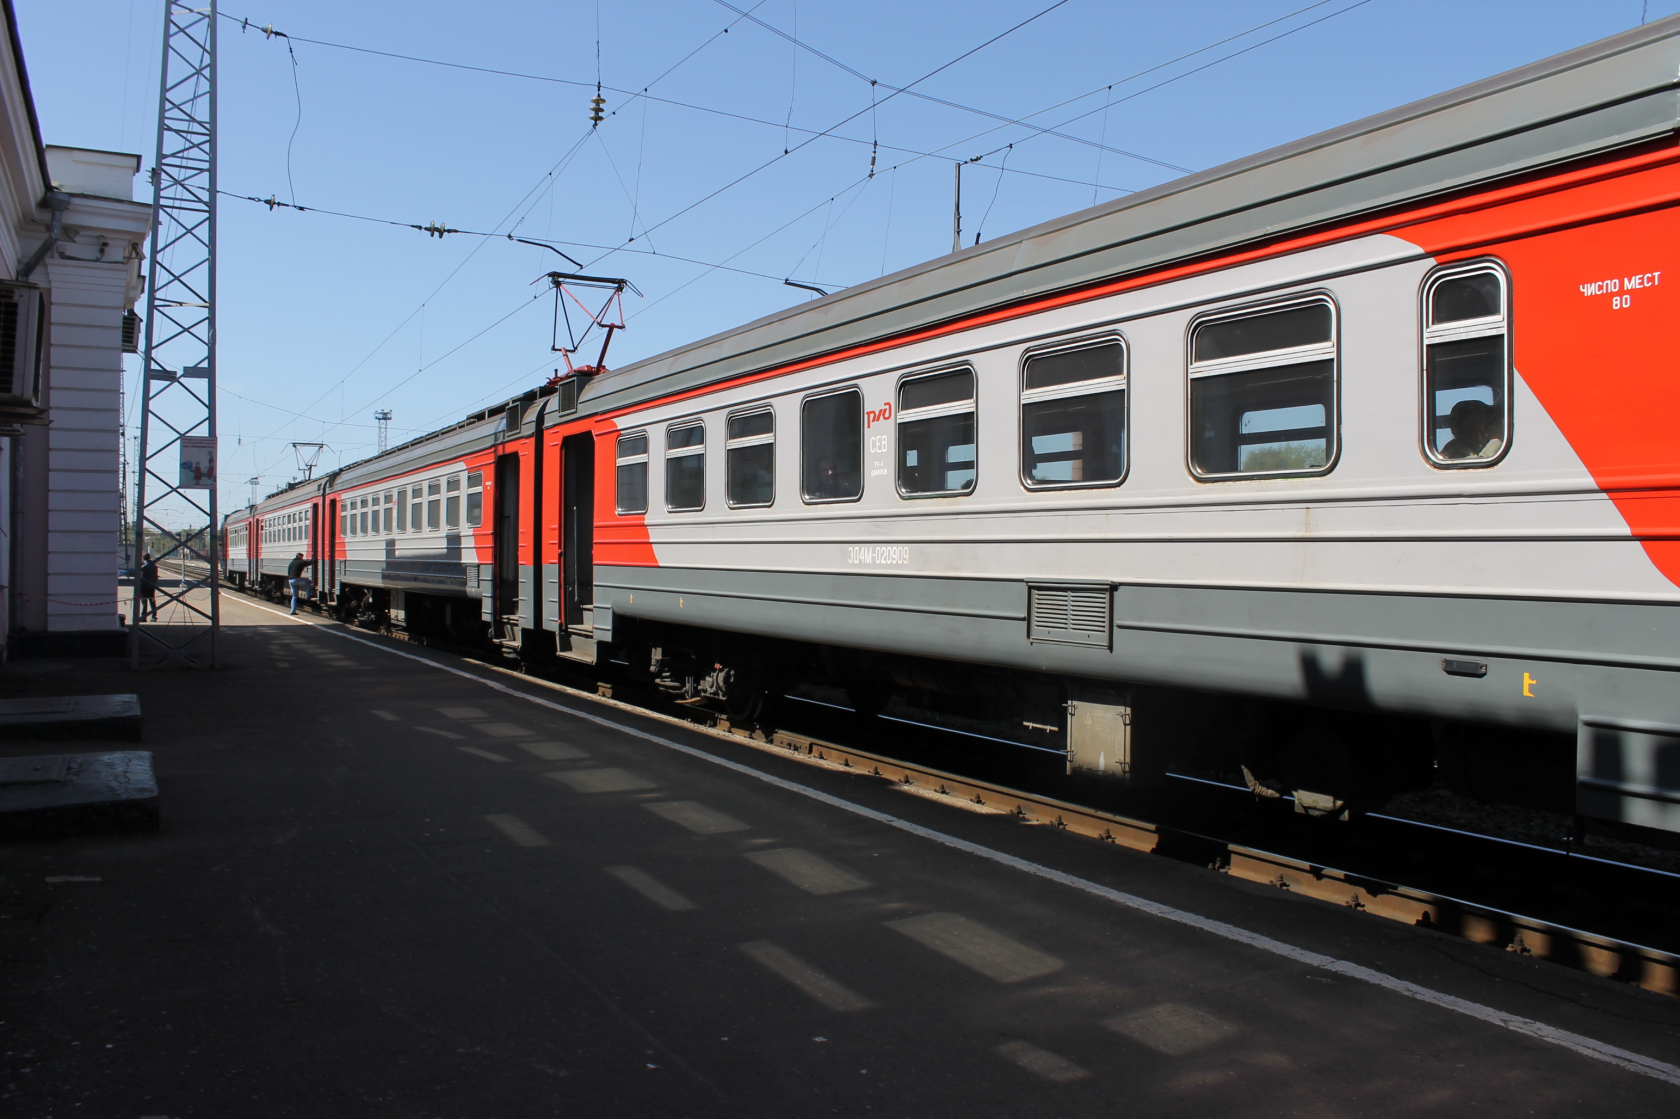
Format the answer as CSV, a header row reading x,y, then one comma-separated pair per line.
x,y
1606,918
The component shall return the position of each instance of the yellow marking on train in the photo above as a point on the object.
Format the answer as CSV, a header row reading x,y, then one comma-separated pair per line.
x,y
1528,684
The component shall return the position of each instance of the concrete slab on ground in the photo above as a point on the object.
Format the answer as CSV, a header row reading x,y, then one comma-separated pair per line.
x,y
70,716
56,795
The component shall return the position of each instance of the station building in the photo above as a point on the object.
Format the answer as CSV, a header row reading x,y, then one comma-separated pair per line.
x,y
72,239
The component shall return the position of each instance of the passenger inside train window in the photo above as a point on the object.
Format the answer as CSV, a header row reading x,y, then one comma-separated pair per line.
x,y
1073,417
685,467
936,434
632,473
1475,430
831,447
1263,392
1466,366
750,458
475,500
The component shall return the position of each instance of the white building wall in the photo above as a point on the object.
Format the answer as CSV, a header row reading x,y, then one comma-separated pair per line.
x,y
83,482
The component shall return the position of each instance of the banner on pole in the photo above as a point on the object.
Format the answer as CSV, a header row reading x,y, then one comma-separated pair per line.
x,y
198,462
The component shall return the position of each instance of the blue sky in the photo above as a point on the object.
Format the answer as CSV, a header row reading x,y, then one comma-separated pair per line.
x,y
325,319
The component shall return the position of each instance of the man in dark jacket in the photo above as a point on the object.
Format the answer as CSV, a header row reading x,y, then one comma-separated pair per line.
x,y
295,577
146,605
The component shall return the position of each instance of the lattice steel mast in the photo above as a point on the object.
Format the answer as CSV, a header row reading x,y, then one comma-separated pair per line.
x,y
176,465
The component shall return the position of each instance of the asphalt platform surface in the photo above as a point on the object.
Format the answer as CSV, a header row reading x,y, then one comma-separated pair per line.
x,y
385,888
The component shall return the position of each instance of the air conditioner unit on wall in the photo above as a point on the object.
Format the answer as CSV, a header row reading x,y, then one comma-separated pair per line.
x,y
22,324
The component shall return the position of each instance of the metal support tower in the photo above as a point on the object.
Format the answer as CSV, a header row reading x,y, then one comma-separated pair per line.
x,y
384,418
175,483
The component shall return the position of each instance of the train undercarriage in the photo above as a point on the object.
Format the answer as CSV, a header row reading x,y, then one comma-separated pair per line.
x,y
1317,762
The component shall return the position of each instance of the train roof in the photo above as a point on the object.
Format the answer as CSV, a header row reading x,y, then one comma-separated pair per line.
x,y
476,431
1609,94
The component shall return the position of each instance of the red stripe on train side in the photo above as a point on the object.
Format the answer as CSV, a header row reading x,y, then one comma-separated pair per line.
x,y
620,541
1595,317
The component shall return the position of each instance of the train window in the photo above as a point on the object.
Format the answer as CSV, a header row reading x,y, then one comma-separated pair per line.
x,y
750,458
453,485
475,500
936,434
390,514
402,510
452,511
1073,417
632,473
1263,392
434,506
1466,366
414,496
364,514
344,524
685,467
831,447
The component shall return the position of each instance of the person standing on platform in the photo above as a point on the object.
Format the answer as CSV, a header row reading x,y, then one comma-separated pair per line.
x,y
296,578
146,607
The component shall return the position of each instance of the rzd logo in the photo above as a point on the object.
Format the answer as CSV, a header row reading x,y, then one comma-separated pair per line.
x,y
883,414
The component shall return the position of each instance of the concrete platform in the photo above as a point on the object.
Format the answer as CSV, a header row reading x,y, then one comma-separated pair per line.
x,y
71,716
392,883
51,796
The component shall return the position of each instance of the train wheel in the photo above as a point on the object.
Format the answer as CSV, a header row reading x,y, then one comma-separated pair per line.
x,y
744,704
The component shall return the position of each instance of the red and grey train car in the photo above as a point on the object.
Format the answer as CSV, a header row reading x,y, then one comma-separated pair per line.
x,y
1354,457
259,542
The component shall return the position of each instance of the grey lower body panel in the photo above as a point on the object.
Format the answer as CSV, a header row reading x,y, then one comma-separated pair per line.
x,y
439,577
1629,770
1521,662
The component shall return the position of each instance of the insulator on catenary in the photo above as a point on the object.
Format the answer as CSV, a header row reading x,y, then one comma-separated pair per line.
x,y
596,103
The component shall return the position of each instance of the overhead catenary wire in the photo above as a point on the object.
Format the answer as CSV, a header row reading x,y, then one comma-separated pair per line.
x,y
1109,104
434,229
559,166
841,123
1007,147
642,94
785,126
874,83
577,146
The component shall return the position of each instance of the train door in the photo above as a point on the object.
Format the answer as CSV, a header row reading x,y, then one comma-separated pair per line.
x,y
506,589
326,571
577,526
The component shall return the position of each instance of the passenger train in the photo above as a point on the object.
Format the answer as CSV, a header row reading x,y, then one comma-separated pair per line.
x,y
1351,458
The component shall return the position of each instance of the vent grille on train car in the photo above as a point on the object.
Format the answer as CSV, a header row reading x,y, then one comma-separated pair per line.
x,y
1075,615
568,395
